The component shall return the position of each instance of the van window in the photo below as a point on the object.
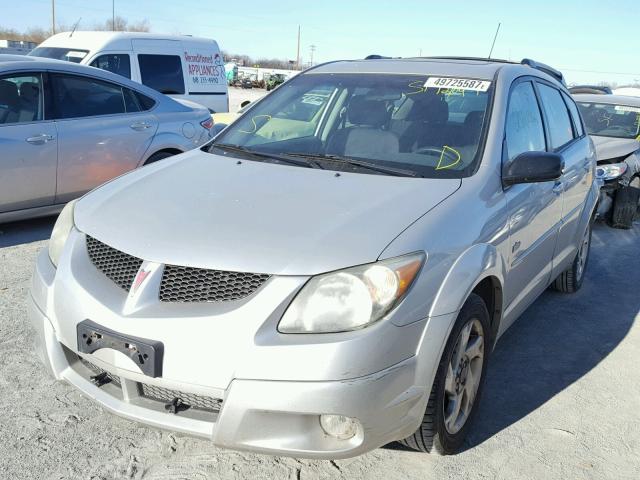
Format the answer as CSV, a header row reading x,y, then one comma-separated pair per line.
x,y
162,73
77,96
557,116
524,122
68,54
117,63
21,99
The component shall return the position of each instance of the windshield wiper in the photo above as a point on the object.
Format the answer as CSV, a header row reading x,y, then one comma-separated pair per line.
x,y
401,172
265,155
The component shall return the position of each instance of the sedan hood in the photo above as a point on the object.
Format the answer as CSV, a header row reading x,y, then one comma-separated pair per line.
x,y
610,147
211,211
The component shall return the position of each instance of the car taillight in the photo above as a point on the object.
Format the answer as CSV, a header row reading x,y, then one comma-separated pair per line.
x,y
208,123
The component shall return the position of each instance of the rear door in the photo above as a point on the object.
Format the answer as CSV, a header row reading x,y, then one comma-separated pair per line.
x,y
103,131
569,139
28,143
535,209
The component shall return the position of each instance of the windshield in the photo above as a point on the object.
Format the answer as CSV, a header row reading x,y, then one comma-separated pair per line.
x,y
606,120
57,53
388,120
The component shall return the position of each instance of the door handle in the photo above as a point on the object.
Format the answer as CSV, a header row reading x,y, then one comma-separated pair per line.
x,y
140,126
558,188
40,139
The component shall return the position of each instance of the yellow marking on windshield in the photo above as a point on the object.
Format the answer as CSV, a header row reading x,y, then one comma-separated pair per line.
x,y
255,125
418,86
446,148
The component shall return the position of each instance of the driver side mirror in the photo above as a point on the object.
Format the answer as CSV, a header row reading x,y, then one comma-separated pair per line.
x,y
533,167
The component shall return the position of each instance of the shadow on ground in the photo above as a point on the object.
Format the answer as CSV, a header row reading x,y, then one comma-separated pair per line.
x,y
26,231
561,337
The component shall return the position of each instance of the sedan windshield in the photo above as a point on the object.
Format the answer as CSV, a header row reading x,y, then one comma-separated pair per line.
x,y
370,123
68,54
607,120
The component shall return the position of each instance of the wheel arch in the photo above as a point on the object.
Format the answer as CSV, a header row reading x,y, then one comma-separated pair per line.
x,y
172,151
480,270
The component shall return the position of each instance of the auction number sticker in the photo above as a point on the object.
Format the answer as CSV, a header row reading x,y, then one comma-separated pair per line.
x,y
458,84
626,108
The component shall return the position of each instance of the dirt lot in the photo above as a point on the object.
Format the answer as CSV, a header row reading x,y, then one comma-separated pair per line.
x,y
561,402
238,95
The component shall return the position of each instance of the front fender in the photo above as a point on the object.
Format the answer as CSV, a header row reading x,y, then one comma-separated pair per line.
x,y
472,266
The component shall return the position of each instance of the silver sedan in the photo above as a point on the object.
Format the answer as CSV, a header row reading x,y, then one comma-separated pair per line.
x,y
66,128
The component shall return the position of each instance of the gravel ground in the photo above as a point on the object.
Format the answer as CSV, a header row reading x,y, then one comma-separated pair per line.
x,y
238,95
561,401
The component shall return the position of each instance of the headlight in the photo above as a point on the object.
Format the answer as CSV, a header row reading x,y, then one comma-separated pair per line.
x,y
352,298
61,231
611,171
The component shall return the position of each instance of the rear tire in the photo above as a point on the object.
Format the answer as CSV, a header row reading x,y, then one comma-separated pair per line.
x,y
625,206
571,279
156,157
441,432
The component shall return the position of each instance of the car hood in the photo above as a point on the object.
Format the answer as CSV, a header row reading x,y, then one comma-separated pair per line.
x,y
609,147
210,211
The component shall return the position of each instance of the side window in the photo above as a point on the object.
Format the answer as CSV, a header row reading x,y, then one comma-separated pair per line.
x,y
577,119
117,63
557,116
21,99
77,96
524,130
162,72
136,102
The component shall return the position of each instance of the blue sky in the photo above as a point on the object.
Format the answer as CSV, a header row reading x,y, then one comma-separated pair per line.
x,y
589,40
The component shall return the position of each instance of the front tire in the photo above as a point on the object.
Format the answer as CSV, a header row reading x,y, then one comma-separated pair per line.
x,y
458,383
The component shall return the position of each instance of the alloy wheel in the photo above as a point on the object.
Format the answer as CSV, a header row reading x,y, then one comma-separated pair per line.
x,y
464,372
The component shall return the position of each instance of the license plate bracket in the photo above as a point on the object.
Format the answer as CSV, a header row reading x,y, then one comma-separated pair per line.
x,y
146,354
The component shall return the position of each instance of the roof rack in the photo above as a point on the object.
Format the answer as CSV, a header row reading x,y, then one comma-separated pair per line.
x,y
544,68
478,59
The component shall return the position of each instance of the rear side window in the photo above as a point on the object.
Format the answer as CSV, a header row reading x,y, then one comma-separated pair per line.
x,y
77,96
162,73
573,109
137,102
557,116
524,130
21,99
117,63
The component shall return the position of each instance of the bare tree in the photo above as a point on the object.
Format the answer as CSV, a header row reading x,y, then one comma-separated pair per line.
x,y
120,24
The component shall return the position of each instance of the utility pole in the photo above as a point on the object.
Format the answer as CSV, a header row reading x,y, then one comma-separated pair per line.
x,y
312,48
298,52
53,17
113,15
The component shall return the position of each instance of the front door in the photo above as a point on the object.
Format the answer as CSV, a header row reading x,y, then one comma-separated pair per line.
x,y
28,144
535,209
102,133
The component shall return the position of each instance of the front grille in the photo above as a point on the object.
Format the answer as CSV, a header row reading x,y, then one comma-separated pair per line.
x,y
97,370
167,395
187,284
178,284
118,266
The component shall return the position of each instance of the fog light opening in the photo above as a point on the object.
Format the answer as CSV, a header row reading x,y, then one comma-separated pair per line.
x,y
339,426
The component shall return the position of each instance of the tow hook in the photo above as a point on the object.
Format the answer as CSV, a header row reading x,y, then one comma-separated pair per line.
x,y
100,379
176,406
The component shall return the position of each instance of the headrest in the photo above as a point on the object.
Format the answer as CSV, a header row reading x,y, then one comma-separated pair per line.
x,y
474,119
9,93
430,108
362,111
29,90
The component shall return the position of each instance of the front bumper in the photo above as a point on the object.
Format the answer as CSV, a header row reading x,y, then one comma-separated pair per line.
x,y
271,416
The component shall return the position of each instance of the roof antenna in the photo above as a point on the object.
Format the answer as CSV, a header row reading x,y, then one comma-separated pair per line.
x,y
494,39
74,27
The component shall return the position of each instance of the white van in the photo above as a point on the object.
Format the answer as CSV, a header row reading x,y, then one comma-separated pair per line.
x,y
179,66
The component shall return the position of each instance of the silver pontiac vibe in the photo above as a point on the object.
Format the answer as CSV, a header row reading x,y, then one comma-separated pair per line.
x,y
332,271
